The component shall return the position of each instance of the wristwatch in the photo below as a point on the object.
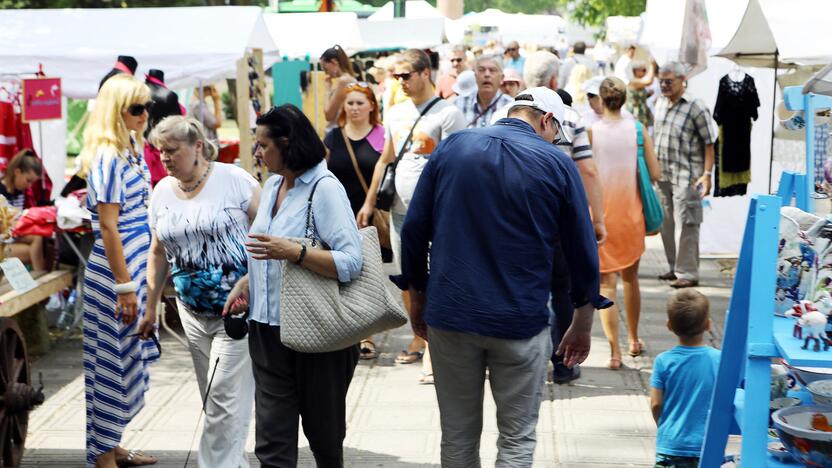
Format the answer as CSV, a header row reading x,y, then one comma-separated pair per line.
x,y
302,254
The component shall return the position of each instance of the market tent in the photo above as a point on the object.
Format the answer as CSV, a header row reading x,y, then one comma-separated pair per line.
x,y
190,45
623,29
302,34
797,31
543,30
413,9
402,33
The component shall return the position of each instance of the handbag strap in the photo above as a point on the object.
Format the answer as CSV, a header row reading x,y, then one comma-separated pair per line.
x,y
354,161
309,231
640,140
413,128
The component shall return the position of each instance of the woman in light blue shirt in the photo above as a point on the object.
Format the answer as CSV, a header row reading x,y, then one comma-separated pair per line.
x,y
291,384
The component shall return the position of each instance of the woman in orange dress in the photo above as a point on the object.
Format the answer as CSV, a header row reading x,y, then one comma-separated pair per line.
x,y
615,150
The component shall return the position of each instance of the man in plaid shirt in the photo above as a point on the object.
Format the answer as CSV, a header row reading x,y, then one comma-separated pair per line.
x,y
478,108
684,142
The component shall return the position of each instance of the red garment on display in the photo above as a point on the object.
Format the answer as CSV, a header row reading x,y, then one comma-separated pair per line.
x,y
38,221
153,158
16,135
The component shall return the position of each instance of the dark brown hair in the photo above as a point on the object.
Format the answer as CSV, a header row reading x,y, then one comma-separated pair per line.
x,y
337,53
295,137
613,93
26,161
687,311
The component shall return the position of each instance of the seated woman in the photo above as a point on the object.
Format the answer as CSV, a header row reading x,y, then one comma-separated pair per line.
x,y
24,170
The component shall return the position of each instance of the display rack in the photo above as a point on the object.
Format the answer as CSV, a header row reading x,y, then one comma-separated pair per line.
x,y
753,336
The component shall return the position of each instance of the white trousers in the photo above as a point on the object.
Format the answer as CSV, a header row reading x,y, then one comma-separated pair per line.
x,y
231,398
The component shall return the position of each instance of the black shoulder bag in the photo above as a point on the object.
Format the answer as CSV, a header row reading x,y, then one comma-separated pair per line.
x,y
387,187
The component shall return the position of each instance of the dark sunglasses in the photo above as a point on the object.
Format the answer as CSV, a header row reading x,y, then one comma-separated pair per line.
x,y
402,76
667,81
155,341
512,49
138,109
454,60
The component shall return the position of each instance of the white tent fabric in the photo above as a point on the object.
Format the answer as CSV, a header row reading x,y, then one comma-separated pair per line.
x,y
798,30
413,9
80,45
302,34
418,33
623,29
543,30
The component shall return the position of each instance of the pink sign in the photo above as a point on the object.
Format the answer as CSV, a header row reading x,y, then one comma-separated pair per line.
x,y
41,99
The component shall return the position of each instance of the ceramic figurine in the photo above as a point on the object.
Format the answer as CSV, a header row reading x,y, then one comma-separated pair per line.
x,y
813,325
797,311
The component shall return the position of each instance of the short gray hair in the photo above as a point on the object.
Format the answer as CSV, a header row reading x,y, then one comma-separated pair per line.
x,y
540,67
184,130
459,48
489,58
676,68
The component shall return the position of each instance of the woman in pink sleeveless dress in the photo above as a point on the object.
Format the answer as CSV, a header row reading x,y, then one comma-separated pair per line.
x,y
615,150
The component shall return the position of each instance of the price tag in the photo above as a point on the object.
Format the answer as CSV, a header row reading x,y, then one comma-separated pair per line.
x,y
19,278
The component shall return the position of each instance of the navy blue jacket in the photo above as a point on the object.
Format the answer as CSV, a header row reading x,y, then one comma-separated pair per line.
x,y
491,203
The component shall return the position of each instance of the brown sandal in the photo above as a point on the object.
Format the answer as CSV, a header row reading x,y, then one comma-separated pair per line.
x,y
367,350
614,364
636,348
408,358
134,457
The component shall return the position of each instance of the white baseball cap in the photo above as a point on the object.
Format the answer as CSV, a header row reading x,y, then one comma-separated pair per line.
x,y
542,99
593,85
466,83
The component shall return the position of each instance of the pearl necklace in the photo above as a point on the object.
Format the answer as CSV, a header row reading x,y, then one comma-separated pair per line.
x,y
199,182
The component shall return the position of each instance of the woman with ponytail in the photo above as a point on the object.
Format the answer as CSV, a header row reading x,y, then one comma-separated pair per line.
x,y
199,218
340,73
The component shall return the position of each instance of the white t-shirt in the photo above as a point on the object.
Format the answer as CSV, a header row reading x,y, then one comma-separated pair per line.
x,y
204,236
441,120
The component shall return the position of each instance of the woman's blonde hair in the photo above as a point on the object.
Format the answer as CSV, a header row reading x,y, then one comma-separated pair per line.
x,y
105,128
185,130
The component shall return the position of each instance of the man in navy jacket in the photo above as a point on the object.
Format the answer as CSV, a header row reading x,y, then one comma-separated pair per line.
x,y
491,204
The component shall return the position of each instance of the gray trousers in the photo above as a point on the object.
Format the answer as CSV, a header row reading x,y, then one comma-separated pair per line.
x,y
517,374
682,206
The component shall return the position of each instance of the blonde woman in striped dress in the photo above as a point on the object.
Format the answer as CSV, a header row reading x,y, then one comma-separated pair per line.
x,y
116,361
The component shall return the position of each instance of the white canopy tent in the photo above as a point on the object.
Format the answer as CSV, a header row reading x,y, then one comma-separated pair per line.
x,y
80,45
797,31
419,33
543,30
623,29
302,34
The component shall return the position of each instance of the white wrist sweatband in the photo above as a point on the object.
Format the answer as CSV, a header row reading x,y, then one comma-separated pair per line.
x,y
126,288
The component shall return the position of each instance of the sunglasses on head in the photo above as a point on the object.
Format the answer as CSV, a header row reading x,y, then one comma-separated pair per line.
x,y
402,76
138,109
359,84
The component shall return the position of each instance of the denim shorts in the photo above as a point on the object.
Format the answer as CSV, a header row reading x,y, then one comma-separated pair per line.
x,y
675,461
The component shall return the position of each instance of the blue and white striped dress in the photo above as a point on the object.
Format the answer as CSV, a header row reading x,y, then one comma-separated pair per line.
x,y
115,365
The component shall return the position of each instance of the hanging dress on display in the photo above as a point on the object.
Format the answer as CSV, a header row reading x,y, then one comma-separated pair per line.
x,y
735,111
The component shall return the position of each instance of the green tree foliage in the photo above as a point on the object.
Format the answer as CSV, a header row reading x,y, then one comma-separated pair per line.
x,y
595,12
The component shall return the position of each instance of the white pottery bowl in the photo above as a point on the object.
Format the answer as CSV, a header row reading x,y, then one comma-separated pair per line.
x,y
821,391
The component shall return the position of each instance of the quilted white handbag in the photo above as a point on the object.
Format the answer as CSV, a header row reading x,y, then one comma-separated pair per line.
x,y
319,314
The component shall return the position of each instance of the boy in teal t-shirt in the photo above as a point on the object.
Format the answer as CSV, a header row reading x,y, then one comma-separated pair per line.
x,y
683,381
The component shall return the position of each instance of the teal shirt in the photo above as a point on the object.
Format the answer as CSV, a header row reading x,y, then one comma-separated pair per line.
x,y
686,375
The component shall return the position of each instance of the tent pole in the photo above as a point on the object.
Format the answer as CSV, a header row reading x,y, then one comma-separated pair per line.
x,y
773,107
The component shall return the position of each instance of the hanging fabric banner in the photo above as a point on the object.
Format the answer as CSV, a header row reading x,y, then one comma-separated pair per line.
x,y
41,99
696,38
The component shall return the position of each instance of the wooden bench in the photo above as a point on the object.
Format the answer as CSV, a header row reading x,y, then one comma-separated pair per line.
x,y
13,302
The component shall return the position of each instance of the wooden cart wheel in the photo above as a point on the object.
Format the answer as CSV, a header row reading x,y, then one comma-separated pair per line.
x,y
17,397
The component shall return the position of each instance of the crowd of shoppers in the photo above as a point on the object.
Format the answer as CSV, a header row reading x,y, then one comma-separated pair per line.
x,y
516,209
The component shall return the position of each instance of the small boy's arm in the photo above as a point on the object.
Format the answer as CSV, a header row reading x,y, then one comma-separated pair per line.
x,y
656,401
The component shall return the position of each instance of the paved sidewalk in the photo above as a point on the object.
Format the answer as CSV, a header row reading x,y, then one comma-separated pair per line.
x,y
601,420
